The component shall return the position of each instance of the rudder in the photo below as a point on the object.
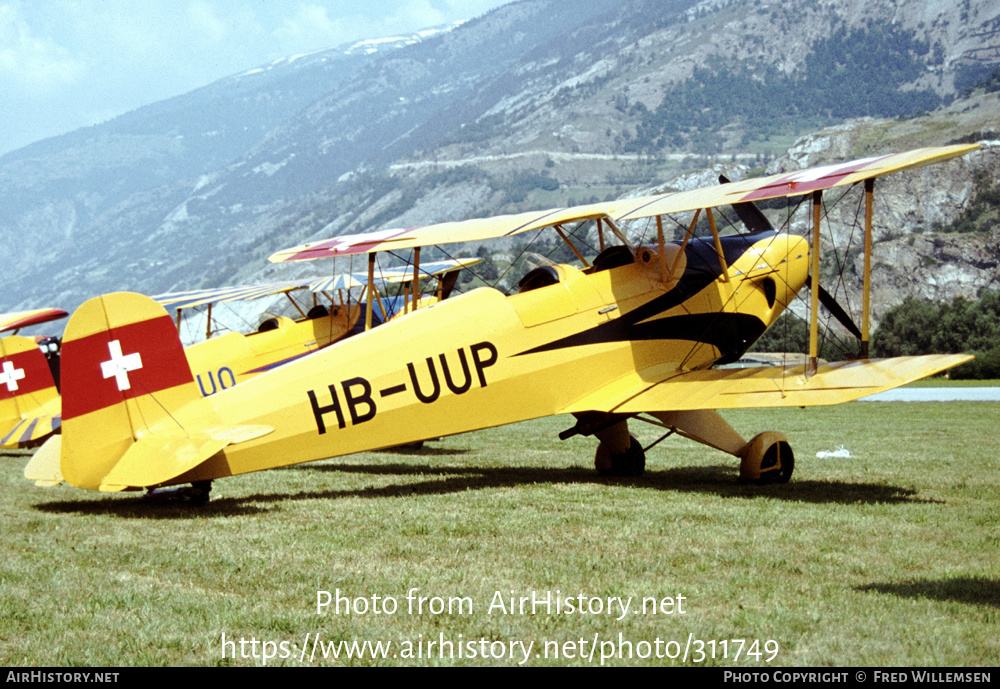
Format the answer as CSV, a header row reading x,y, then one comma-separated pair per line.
x,y
124,371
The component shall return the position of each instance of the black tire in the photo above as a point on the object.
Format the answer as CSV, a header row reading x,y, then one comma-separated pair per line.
x,y
630,463
782,475
200,493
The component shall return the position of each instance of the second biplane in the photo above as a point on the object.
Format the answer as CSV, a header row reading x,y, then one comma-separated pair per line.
x,y
634,332
327,314
29,395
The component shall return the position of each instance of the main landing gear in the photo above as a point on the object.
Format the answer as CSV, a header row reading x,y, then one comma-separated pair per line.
x,y
767,458
619,453
631,462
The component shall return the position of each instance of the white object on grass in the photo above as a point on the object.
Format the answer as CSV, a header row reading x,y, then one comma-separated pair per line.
x,y
840,452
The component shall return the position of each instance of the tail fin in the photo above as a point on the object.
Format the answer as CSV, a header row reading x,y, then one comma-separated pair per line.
x,y
125,378
29,401
123,371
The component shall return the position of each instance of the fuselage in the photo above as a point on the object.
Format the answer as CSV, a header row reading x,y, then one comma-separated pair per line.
x,y
221,362
483,359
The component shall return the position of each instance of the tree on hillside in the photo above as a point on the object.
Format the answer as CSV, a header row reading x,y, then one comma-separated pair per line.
x,y
918,326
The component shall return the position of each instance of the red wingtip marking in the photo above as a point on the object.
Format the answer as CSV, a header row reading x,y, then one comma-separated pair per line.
x,y
805,181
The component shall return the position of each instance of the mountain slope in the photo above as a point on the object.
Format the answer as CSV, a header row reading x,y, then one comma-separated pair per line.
x,y
537,103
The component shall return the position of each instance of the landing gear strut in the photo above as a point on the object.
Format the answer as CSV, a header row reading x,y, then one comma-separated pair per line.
x,y
767,458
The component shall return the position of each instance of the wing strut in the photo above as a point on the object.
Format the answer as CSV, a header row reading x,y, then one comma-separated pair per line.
x,y
817,197
559,230
687,236
616,231
867,280
416,277
371,291
295,304
718,245
663,257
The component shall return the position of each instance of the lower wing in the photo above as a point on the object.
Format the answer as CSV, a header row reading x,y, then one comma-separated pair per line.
x,y
776,386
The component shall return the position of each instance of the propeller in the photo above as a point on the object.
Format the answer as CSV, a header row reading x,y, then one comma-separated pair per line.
x,y
756,221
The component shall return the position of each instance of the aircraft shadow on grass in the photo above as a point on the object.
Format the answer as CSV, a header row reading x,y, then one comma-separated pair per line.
x,y
968,590
441,480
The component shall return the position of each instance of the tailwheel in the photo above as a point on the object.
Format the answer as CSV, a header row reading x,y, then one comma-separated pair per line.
x,y
197,494
632,462
767,458
410,447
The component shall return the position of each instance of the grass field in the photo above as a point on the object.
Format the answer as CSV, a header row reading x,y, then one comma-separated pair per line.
x,y
887,558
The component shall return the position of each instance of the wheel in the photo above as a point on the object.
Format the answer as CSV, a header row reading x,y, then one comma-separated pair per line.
x,y
408,447
200,492
197,494
632,462
768,458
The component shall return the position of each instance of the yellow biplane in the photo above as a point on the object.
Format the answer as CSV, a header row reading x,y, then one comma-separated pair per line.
x,y
29,397
633,333
220,361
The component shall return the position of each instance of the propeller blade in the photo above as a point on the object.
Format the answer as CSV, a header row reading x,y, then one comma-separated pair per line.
x,y
837,311
751,216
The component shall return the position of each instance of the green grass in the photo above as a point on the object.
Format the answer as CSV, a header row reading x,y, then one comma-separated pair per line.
x,y
884,559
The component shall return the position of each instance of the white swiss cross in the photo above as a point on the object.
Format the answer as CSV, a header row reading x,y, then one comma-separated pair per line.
x,y
11,375
817,173
120,365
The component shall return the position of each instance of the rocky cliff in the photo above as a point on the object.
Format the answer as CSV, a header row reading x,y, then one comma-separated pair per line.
x,y
538,103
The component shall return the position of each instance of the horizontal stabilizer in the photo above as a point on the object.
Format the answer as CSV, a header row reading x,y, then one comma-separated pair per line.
x,y
158,458
239,434
777,386
43,468
29,430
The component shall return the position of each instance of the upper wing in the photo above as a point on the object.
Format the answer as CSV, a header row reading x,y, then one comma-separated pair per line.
x,y
777,386
784,184
221,295
444,233
22,319
392,275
